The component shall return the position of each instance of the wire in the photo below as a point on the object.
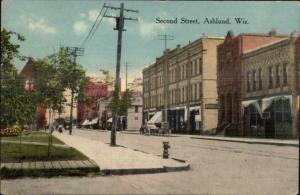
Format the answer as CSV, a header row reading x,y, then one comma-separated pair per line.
x,y
88,36
98,24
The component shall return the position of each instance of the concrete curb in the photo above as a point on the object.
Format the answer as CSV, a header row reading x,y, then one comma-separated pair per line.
x,y
163,169
48,169
249,141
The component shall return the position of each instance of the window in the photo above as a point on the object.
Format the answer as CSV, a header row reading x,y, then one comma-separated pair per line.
x,y
200,66
248,81
136,108
186,94
260,79
192,68
254,80
196,91
197,66
136,118
285,74
277,76
270,77
187,70
183,95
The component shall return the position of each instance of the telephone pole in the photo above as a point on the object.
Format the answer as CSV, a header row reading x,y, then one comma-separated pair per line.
x,y
165,38
126,97
73,51
120,28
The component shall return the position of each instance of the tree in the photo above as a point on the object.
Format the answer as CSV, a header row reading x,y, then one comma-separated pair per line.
x,y
108,79
17,105
72,77
120,105
48,86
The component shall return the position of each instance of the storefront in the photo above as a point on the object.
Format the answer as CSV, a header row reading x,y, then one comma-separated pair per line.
x,y
195,119
177,117
269,117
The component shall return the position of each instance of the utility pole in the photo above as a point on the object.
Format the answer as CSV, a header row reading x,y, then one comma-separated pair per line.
x,y
126,97
120,28
165,38
73,51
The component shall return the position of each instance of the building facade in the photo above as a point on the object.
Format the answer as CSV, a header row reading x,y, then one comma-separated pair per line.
x,y
135,113
270,92
230,82
95,89
29,72
181,85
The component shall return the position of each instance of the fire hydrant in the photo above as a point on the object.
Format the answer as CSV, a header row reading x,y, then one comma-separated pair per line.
x,y
166,149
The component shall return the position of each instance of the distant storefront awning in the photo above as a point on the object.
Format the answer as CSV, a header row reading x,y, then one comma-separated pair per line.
x,y
86,122
94,121
254,103
266,102
157,118
151,113
194,108
180,108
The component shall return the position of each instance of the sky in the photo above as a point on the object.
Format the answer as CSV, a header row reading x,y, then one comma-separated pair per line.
x,y
49,24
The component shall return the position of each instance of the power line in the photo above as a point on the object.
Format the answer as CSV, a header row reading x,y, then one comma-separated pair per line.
x,y
98,24
88,37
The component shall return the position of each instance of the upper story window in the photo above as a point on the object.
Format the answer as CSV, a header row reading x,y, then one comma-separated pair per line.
x,y
277,76
270,77
260,79
248,81
254,80
187,70
285,74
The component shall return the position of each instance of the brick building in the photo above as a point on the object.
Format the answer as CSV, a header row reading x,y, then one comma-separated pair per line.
x,y
96,89
270,94
230,81
297,72
28,72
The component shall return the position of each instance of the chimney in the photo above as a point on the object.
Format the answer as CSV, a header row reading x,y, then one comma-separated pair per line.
x,y
178,46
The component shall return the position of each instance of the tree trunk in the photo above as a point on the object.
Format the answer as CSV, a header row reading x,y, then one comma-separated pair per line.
x,y
71,112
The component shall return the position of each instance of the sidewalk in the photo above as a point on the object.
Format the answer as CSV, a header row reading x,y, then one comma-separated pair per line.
x,y
119,159
278,142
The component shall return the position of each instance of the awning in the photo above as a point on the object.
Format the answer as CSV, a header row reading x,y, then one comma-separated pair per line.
x,y
254,103
266,102
157,118
195,108
94,121
86,122
179,108
151,113
198,117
